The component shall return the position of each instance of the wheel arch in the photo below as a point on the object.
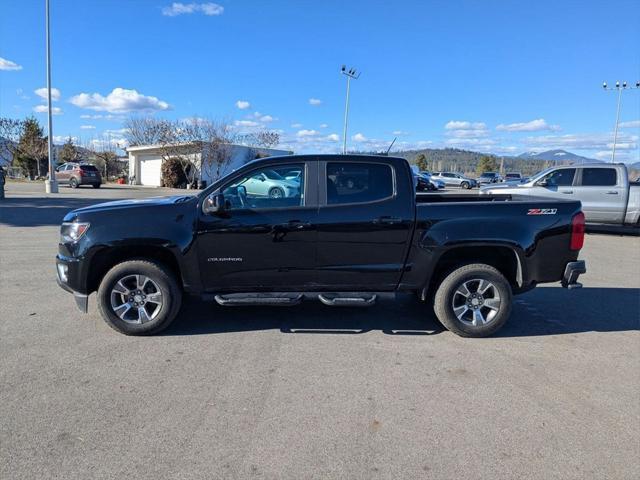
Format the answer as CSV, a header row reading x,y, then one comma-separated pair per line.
x,y
106,258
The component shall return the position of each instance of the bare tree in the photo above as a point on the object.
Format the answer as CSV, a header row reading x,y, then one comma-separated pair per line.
x,y
10,132
144,130
214,140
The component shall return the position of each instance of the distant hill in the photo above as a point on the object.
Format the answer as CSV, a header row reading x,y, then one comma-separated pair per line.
x,y
558,155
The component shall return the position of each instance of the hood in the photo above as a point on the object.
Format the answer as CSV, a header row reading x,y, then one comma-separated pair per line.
x,y
133,203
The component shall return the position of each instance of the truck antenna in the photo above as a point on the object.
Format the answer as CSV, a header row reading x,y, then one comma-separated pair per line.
x,y
389,149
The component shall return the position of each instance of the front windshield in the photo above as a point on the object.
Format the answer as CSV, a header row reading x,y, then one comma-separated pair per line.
x,y
272,175
541,174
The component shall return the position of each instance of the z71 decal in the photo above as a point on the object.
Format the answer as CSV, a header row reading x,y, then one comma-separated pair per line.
x,y
542,211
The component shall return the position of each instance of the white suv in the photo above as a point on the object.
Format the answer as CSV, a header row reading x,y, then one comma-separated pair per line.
x,y
454,179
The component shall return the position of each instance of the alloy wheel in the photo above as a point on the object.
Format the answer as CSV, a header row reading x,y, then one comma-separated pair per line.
x,y
136,299
476,302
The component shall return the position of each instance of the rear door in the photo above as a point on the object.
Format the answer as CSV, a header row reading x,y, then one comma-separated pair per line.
x,y
602,194
363,228
61,176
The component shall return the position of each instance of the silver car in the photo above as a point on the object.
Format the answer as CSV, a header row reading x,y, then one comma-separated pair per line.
x,y
454,179
269,183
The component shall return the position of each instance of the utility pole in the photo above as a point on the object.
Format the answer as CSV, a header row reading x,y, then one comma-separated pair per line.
x,y
619,88
350,73
50,185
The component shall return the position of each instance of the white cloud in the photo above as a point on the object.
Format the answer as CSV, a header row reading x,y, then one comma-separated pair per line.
x,y
631,124
307,133
177,8
323,125
583,141
358,137
537,125
464,125
242,104
8,65
399,132
120,100
296,125
102,117
87,127
20,93
315,102
263,118
43,109
42,93
334,137
60,139
246,123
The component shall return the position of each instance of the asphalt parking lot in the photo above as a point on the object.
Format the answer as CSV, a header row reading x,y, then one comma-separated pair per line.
x,y
312,392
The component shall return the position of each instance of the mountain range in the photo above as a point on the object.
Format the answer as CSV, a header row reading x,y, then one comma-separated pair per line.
x,y
558,155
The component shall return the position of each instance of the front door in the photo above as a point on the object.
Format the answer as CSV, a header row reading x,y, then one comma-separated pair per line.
x,y
364,223
555,184
266,237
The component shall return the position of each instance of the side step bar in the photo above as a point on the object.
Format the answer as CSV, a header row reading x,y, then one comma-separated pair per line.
x,y
342,300
246,299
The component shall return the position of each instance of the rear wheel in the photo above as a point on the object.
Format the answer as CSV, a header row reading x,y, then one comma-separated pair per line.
x,y
473,300
96,185
73,183
139,297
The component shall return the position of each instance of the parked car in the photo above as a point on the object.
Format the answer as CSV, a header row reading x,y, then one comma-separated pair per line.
x,y
438,184
606,194
512,176
342,246
423,183
269,183
455,179
489,177
76,174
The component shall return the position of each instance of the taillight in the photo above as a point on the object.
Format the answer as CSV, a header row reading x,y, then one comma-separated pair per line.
x,y
577,231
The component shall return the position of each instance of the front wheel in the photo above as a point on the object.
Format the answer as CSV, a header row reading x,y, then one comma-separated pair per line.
x,y
73,183
276,192
473,300
465,185
139,297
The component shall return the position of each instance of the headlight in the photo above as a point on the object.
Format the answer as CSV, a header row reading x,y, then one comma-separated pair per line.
x,y
72,232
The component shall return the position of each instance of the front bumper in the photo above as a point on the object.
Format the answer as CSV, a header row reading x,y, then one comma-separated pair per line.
x,y
65,272
571,273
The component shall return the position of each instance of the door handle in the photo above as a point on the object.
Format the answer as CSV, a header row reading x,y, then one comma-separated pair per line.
x,y
297,224
612,192
567,192
386,219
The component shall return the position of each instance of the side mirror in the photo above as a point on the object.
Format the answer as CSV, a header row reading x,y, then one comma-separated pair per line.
x,y
542,183
214,203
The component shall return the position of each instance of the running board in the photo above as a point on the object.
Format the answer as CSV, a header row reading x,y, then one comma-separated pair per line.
x,y
347,300
261,299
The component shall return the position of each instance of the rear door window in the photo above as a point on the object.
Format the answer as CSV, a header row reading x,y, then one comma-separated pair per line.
x,y
599,177
88,168
358,182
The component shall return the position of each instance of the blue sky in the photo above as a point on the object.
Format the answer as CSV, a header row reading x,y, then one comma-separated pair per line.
x,y
495,76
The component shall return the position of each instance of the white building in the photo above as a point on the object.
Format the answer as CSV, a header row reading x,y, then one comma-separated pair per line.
x,y
145,162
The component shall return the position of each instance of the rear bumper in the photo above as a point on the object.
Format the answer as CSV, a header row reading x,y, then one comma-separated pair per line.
x,y
571,273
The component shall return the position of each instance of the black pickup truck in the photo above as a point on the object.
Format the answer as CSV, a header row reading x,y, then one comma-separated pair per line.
x,y
283,229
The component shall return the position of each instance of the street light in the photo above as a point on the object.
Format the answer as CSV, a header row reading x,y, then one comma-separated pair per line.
x,y
349,73
619,88
50,185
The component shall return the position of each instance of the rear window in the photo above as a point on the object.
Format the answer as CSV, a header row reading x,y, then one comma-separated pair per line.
x,y
599,177
358,182
88,168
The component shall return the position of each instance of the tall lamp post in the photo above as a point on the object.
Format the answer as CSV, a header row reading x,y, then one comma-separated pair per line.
x,y
619,88
50,185
349,73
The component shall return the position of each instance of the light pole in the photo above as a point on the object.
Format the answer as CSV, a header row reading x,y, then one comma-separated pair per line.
x,y
619,88
50,185
350,73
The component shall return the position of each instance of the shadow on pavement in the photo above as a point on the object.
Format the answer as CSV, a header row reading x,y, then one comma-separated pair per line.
x,y
36,212
544,311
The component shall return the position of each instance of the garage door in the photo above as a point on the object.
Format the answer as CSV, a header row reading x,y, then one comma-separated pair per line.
x,y
150,171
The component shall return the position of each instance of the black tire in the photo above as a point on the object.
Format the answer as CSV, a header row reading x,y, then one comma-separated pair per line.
x,y
446,296
465,185
96,185
161,276
276,192
73,183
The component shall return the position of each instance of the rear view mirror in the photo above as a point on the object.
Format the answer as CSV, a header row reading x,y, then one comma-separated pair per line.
x,y
214,203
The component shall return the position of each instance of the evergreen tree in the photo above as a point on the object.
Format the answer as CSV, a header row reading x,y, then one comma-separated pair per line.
x,y
421,162
69,152
486,164
32,149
